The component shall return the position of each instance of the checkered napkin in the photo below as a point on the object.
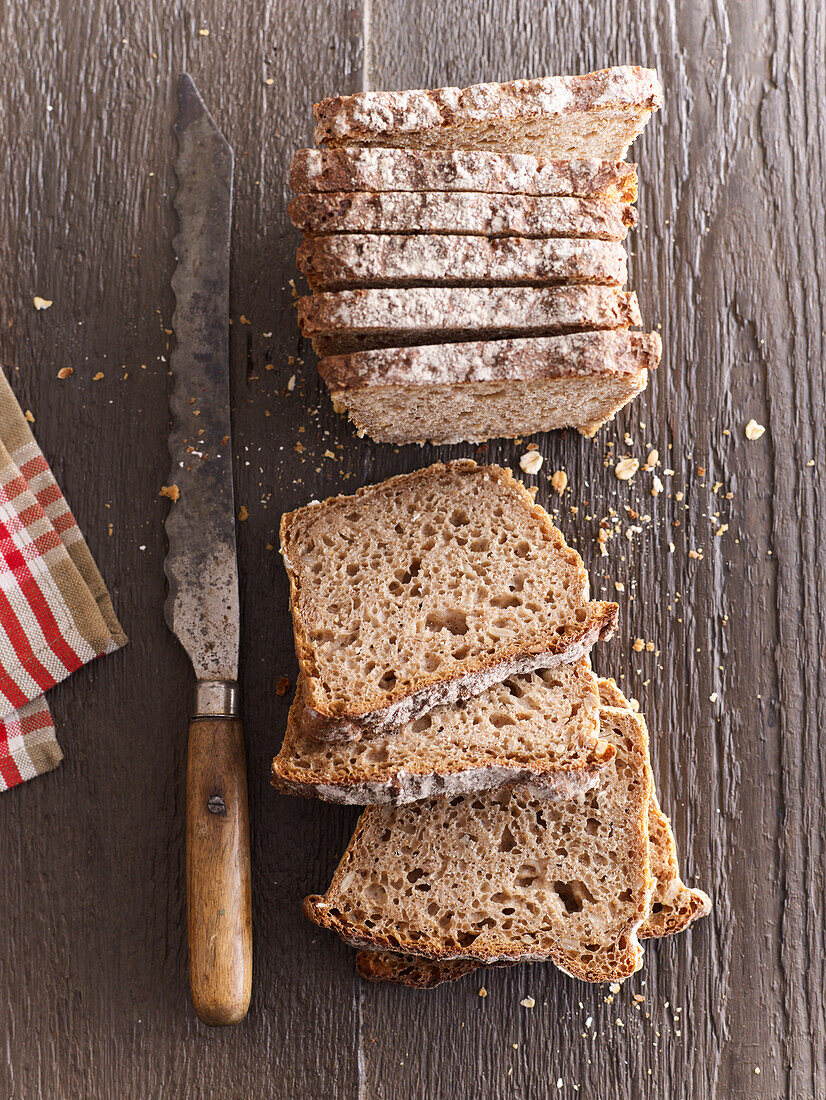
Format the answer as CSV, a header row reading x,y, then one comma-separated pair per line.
x,y
55,612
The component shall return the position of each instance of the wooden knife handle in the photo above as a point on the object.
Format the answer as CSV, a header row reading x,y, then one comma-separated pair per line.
x,y
219,911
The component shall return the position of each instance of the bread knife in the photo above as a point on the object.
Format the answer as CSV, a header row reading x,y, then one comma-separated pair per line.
x,y
202,606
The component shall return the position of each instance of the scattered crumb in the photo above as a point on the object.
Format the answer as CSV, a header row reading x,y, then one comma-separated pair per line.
x,y
559,481
282,686
713,697
244,320
614,987
291,383
97,377
638,647
243,514
626,468
29,415
171,492
527,1002
531,462
204,32
42,303
754,430
656,486
482,991
65,372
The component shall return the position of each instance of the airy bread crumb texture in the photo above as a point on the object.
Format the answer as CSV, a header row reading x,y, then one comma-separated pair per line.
x,y
503,876
542,728
426,589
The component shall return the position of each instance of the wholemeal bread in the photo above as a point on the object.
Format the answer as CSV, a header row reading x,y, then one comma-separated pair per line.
x,y
349,260
594,115
448,393
542,729
427,589
673,906
502,876
377,169
464,212
345,321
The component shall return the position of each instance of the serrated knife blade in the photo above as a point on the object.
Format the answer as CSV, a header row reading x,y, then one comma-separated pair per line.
x,y
202,607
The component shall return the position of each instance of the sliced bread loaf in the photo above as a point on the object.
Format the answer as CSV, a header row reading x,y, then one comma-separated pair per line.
x,y
594,115
344,321
376,169
347,260
502,876
427,589
447,393
461,212
542,729
673,906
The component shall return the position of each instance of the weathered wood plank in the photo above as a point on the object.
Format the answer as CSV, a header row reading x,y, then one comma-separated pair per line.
x,y
93,983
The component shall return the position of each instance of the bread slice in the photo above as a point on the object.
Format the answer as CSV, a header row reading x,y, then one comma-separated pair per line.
x,y
449,393
464,212
375,169
346,321
541,729
594,115
350,260
427,589
502,876
673,906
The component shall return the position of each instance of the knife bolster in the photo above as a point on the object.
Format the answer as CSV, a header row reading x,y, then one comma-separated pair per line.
x,y
217,699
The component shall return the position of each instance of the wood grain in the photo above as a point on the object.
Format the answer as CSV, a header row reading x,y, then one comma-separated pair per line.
x,y
728,259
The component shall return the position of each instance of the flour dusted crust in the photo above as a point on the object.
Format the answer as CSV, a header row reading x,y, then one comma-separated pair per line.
x,y
340,261
596,114
491,865
449,393
381,169
520,359
541,729
461,212
411,693
347,321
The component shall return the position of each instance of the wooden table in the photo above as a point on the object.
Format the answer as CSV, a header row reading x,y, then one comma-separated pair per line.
x,y
728,260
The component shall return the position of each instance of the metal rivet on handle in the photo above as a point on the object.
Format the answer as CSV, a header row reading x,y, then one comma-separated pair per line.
x,y
216,805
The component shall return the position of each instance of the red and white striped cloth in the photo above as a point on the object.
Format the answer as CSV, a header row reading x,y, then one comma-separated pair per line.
x,y
55,612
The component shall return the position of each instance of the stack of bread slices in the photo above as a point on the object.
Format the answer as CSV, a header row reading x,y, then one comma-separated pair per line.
x,y
465,250
443,628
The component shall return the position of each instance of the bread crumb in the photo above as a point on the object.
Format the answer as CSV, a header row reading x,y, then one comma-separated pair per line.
x,y
754,430
713,697
171,492
282,685
559,481
527,1002
531,462
65,372
638,647
97,377
626,468
42,303
243,514
204,32
291,383
482,991
656,486
29,415
614,987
